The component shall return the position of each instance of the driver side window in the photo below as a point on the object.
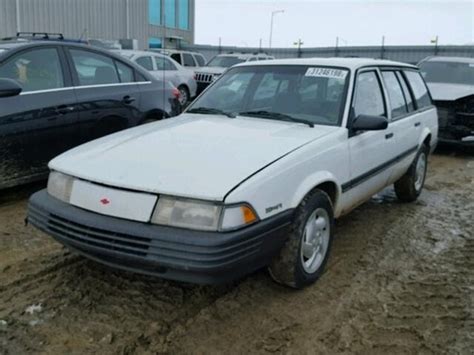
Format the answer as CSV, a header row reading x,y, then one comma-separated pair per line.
x,y
368,96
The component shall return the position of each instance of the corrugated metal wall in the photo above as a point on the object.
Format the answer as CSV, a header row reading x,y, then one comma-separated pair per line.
x,y
409,54
105,19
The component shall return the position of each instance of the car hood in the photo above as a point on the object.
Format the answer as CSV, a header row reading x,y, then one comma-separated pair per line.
x,y
211,70
191,155
450,92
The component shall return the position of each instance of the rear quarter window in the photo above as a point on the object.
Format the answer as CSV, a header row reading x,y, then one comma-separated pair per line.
x,y
419,89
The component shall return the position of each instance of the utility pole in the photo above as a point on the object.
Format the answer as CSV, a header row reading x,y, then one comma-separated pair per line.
x,y
299,43
17,13
220,45
435,41
336,49
271,26
382,48
260,46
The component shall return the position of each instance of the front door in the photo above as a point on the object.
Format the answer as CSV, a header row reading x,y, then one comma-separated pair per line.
x,y
38,124
370,151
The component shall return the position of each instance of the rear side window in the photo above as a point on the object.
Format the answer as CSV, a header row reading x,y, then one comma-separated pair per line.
x,y
145,62
188,60
177,57
395,94
125,72
38,69
200,60
406,92
368,96
93,68
420,92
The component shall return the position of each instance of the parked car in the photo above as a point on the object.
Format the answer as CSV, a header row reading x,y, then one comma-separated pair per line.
x,y
251,175
451,83
56,95
220,63
190,60
165,68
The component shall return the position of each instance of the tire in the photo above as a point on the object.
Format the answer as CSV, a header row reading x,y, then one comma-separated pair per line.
x,y
292,266
184,95
410,185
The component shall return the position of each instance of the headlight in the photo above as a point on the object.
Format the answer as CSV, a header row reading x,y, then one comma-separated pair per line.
x,y
60,186
186,213
201,215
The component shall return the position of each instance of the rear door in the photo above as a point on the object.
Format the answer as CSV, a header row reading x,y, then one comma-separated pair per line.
x,y
41,122
403,120
108,96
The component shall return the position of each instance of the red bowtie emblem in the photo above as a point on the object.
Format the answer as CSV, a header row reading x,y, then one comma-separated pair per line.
x,y
105,201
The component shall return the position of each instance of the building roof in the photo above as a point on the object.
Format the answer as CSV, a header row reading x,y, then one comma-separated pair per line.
x,y
350,63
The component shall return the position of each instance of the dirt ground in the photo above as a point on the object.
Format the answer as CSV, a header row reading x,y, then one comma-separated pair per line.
x,y
400,281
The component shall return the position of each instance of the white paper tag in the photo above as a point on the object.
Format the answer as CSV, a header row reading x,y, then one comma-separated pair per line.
x,y
326,73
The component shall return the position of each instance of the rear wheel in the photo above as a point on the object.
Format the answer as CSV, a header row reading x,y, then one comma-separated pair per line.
x,y
410,185
183,95
303,258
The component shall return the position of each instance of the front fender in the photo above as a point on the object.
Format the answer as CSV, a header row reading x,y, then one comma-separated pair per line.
x,y
310,182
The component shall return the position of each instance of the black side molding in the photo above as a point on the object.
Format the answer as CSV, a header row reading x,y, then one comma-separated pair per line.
x,y
371,173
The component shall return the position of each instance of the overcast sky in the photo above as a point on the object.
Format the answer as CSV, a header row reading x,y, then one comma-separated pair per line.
x,y
318,23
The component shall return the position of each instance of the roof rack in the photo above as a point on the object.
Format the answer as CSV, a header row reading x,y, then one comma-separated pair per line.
x,y
43,35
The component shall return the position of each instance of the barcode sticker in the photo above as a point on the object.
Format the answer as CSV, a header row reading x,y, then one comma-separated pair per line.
x,y
327,73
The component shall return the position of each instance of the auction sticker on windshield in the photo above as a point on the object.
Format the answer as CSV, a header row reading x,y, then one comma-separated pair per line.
x,y
327,73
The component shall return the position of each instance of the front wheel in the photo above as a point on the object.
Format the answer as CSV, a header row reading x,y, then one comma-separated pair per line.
x,y
304,256
410,185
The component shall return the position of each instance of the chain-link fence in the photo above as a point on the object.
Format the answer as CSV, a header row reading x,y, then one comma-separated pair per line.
x,y
409,54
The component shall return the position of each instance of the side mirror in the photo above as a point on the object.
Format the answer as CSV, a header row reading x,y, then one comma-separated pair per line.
x,y
369,123
9,88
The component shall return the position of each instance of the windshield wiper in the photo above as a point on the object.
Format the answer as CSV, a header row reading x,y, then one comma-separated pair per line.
x,y
211,111
276,115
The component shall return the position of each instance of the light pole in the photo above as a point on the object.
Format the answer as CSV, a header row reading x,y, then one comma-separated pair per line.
x,y
271,26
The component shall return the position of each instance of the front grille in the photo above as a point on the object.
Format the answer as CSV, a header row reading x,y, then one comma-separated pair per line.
x,y
75,232
204,78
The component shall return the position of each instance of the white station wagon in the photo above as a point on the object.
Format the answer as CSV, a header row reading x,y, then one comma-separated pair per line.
x,y
252,175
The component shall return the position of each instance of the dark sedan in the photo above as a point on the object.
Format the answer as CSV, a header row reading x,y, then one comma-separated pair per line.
x,y
56,95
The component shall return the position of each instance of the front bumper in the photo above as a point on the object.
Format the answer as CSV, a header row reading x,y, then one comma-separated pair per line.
x,y
167,252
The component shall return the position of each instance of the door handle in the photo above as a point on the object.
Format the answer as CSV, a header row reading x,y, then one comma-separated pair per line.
x,y
389,135
417,124
128,99
64,110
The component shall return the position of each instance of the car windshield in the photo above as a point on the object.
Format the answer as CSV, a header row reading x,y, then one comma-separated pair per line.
x,y
225,61
311,94
448,72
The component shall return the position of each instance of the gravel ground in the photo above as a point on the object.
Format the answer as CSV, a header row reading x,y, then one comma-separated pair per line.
x,y
400,280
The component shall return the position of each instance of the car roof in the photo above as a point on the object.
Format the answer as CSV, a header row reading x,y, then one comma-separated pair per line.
x,y
349,63
171,51
133,52
466,60
245,55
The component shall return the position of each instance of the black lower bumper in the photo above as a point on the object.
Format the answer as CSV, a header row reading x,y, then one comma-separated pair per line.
x,y
172,253
456,142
